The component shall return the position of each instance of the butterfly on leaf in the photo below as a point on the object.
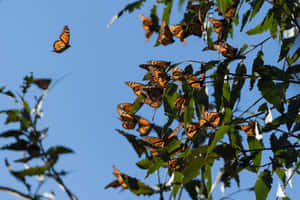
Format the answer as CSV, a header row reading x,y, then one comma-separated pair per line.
x,y
165,36
222,47
160,63
42,83
155,75
152,94
210,118
249,129
221,27
192,129
130,120
120,180
180,104
149,26
63,43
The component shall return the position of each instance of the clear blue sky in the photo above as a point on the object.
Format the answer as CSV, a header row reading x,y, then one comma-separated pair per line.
x,y
81,109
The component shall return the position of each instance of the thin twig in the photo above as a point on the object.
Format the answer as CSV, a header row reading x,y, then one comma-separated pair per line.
x,y
251,106
16,193
257,45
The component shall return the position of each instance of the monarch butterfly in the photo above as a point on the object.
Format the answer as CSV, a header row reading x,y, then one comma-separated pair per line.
x,y
160,63
180,32
192,129
211,118
155,142
42,83
177,74
180,104
149,26
144,126
158,78
62,44
165,36
125,107
176,163
249,129
119,181
226,50
194,82
220,27
176,130
135,86
196,29
158,143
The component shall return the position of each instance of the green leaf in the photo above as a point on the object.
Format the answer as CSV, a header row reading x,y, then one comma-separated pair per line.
x,y
263,185
219,83
32,171
157,162
221,4
7,93
293,109
20,145
218,136
59,150
271,93
293,69
12,115
253,144
294,58
129,8
12,133
138,145
178,176
238,83
256,5
144,164
137,187
285,48
167,11
189,112
244,47
173,145
192,189
192,169
245,19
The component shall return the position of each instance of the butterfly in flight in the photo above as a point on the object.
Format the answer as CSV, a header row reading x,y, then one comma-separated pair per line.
x,y
62,44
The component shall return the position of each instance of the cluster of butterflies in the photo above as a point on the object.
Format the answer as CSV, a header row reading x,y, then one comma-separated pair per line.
x,y
195,26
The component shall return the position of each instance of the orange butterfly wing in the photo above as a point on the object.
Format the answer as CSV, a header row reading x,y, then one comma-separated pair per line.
x,y
165,36
62,44
249,129
144,126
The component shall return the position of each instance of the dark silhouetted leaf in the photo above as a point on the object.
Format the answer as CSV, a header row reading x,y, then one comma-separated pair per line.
x,y
138,145
253,144
271,93
11,133
263,185
137,187
59,150
238,83
20,145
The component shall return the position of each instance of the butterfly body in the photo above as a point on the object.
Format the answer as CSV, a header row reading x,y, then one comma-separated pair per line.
x,y
61,45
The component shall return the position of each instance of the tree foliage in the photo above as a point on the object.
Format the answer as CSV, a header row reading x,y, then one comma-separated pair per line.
x,y
200,130
27,137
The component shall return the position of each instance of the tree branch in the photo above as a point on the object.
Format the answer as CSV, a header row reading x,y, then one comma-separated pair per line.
x,y
16,193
